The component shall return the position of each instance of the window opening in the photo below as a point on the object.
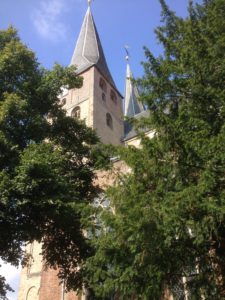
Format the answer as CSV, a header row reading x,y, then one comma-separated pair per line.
x,y
103,97
76,112
103,85
113,96
109,121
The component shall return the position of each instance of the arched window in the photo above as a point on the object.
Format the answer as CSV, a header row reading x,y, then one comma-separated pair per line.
x,y
76,112
32,293
113,96
103,85
109,121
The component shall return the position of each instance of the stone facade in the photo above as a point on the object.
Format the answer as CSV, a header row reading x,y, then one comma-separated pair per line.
x,y
104,105
31,274
36,283
95,102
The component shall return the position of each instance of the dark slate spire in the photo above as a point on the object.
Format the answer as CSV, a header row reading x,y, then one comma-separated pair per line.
x,y
88,51
132,106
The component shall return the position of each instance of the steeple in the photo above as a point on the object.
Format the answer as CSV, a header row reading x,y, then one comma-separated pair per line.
x,y
132,106
88,51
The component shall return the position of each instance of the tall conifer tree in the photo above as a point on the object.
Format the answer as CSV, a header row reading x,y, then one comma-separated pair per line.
x,y
167,229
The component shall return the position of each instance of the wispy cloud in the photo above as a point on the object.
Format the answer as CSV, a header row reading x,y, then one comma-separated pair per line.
x,y
47,19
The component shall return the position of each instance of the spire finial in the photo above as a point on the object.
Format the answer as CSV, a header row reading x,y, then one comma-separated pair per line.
x,y
127,53
89,2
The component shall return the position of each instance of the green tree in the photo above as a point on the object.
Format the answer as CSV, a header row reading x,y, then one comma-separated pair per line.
x,y
46,163
168,222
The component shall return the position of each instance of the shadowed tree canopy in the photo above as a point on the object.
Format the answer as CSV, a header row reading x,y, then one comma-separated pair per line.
x,y
46,163
168,230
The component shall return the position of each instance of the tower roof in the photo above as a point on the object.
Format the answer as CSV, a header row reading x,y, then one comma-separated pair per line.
x,y
132,106
88,51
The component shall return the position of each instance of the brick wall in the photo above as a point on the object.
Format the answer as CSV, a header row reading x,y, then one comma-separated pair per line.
x,y
49,286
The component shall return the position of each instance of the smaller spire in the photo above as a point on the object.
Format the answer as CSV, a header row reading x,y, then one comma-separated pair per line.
x,y
132,106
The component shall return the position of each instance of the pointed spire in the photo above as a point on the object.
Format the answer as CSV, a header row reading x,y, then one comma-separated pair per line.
x,y
132,106
88,51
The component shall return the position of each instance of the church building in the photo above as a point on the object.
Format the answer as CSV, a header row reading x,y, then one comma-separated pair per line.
x,y
103,108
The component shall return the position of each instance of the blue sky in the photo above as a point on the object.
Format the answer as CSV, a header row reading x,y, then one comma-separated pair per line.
x,y
50,28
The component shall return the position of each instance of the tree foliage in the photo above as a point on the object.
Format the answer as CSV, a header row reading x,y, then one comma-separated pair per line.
x,y
167,229
46,164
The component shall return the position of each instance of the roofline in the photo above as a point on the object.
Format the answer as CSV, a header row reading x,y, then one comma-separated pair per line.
x,y
135,136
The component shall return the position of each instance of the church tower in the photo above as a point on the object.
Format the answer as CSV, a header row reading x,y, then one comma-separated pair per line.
x,y
99,103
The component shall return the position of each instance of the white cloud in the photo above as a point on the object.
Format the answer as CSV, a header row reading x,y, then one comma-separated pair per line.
x,y
47,19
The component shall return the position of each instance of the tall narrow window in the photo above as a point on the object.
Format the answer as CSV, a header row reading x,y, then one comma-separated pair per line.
x,y
30,258
103,97
103,85
76,112
113,96
109,121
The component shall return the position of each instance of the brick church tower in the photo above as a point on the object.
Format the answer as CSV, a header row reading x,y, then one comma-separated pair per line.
x,y
99,103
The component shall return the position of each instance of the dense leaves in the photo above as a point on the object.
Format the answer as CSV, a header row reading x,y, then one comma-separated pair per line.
x,y
46,164
166,232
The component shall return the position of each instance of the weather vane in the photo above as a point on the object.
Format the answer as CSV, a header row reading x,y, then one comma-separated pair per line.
x,y
127,52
